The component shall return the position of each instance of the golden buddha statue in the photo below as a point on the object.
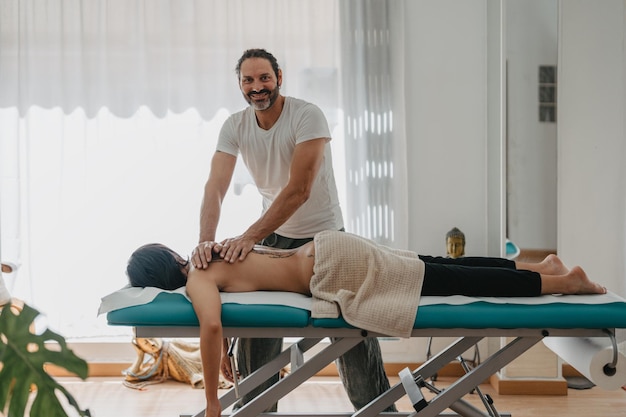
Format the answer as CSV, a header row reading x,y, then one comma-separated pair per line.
x,y
455,243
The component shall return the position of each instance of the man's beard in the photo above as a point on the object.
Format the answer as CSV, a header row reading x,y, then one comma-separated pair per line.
x,y
265,104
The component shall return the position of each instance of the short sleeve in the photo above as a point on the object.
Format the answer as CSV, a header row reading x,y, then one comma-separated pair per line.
x,y
228,140
311,124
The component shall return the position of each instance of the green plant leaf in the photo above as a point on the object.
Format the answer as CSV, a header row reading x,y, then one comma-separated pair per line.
x,y
23,355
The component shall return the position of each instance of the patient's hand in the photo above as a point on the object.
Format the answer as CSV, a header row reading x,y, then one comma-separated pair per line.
x,y
213,408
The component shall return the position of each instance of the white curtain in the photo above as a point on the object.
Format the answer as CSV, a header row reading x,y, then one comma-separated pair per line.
x,y
109,114
168,55
372,50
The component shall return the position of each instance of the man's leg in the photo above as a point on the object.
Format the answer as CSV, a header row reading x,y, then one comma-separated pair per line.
x,y
362,373
254,353
251,355
361,368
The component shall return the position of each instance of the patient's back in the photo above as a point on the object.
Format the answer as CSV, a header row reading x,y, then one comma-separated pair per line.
x,y
266,269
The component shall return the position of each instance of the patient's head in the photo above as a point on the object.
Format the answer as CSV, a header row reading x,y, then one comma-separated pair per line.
x,y
156,265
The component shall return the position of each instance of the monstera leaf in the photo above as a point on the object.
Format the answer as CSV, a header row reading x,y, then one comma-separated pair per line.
x,y
22,359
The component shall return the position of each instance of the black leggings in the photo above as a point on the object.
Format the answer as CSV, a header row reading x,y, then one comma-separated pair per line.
x,y
478,277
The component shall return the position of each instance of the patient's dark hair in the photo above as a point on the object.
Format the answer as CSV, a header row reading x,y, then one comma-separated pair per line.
x,y
257,53
156,265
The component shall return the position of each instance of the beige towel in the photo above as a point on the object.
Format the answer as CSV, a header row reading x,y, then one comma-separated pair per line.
x,y
373,287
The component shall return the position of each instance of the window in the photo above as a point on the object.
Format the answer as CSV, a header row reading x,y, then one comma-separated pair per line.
x,y
547,93
109,116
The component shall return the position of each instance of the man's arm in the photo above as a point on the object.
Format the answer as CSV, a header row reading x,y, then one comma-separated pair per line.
x,y
305,165
222,168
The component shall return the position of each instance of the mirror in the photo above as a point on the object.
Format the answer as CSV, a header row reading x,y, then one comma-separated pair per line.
x,y
531,35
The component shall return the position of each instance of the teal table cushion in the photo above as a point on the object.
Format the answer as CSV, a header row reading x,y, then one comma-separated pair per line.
x,y
169,309
483,315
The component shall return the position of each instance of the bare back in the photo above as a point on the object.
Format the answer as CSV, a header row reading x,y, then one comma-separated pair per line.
x,y
264,269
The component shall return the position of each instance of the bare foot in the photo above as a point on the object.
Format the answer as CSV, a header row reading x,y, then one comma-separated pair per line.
x,y
552,265
579,283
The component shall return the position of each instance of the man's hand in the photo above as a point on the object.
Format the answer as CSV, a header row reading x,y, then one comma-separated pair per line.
x,y
202,254
236,248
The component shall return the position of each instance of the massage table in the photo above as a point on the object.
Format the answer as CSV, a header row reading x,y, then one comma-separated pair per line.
x,y
523,321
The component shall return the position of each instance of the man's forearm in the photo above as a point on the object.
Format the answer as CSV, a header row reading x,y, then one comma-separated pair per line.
x,y
222,166
277,214
305,165
209,219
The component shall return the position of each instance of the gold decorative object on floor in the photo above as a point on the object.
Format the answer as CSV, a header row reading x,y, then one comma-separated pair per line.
x,y
158,361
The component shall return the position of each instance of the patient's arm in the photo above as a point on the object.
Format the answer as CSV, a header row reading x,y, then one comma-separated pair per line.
x,y
274,270
205,298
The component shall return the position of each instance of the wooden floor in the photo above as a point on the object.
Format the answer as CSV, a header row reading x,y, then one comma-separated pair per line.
x,y
107,397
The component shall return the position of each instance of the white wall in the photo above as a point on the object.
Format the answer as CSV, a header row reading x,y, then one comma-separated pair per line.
x,y
446,111
592,139
446,125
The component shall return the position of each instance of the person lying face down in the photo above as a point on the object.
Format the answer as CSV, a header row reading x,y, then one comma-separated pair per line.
x,y
339,268
156,265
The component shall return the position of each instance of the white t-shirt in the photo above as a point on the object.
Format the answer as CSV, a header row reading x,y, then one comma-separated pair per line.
x,y
268,154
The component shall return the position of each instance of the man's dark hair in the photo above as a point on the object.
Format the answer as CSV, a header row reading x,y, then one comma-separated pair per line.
x,y
257,53
156,265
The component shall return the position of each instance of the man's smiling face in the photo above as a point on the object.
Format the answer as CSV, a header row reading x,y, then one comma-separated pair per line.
x,y
258,83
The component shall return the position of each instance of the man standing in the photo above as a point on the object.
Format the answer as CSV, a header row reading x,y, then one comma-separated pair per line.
x,y
284,143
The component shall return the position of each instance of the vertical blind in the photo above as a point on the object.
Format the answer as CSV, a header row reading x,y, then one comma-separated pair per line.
x,y
375,164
